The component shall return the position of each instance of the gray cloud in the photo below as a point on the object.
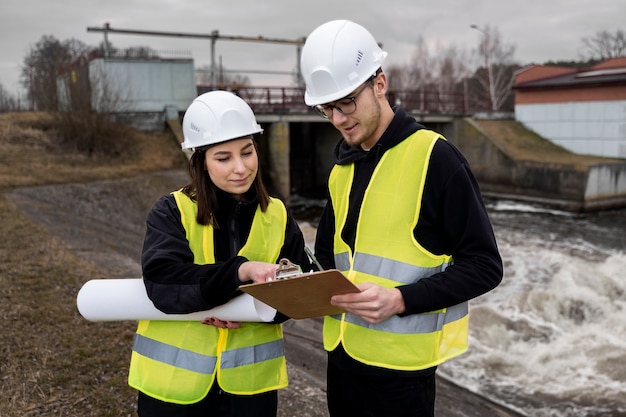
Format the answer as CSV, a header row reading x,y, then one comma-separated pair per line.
x,y
541,30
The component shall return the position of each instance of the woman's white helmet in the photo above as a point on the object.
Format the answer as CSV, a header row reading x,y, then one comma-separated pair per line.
x,y
217,116
336,58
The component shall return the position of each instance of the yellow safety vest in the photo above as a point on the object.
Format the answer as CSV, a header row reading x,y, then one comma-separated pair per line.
x,y
386,253
177,361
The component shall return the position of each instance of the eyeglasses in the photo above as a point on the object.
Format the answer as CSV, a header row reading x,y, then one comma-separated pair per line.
x,y
344,106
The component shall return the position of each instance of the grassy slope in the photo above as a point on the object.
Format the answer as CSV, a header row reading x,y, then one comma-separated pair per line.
x,y
525,145
54,362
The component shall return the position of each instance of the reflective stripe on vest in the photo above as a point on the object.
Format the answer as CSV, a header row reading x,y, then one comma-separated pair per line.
x,y
205,364
178,361
171,355
252,354
387,254
386,268
405,274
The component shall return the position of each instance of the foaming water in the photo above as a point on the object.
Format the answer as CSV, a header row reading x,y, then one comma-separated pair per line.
x,y
550,341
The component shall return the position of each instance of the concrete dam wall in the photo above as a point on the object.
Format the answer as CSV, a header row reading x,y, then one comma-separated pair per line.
x,y
512,162
508,160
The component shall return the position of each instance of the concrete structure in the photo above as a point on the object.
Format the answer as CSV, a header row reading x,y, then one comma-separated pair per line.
x,y
582,110
296,154
511,163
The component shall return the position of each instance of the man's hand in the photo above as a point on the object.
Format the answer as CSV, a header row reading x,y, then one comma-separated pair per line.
x,y
374,303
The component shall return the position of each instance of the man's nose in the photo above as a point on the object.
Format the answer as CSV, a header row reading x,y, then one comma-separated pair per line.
x,y
337,117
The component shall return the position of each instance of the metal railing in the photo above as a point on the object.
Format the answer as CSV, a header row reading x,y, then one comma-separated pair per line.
x,y
291,100
268,99
430,102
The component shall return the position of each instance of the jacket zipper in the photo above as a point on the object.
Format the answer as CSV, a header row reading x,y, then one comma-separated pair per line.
x,y
234,231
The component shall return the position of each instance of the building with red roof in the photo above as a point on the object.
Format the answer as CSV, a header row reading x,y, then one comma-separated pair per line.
x,y
583,110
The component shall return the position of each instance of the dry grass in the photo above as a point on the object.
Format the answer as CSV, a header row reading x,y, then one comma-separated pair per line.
x,y
525,145
31,153
53,362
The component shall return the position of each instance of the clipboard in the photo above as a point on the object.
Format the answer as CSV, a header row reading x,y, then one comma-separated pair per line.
x,y
305,295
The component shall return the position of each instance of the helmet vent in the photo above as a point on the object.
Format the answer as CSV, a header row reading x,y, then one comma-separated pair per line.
x,y
359,57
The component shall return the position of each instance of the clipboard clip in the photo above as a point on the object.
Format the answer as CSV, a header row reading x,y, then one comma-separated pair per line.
x,y
287,269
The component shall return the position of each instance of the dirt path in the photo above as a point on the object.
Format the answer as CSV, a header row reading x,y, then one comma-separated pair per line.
x,y
104,222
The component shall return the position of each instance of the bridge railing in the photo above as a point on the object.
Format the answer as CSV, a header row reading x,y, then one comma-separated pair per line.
x,y
291,100
269,99
430,101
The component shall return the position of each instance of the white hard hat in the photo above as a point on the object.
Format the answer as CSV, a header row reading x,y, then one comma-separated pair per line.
x,y
217,116
336,58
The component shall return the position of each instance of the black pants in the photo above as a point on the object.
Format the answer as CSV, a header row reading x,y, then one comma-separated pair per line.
x,y
217,403
359,395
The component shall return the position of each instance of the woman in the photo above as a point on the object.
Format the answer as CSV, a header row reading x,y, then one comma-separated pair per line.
x,y
202,242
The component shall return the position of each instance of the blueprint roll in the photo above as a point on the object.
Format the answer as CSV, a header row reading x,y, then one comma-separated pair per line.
x,y
126,299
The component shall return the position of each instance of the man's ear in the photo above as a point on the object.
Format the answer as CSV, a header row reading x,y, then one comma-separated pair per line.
x,y
380,84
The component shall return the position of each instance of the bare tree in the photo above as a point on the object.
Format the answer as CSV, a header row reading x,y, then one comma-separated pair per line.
x,y
604,45
451,69
497,74
8,102
91,104
429,81
42,66
223,77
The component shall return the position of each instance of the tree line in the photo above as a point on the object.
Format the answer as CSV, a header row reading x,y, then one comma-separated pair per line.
x,y
483,76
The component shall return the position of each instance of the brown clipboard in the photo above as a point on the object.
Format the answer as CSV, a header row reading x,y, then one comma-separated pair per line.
x,y
303,296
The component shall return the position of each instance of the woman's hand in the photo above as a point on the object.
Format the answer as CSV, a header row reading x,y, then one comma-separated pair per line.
x,y
257,271
222,324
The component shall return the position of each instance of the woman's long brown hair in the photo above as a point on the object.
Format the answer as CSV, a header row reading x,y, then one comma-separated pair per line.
x,y
204,191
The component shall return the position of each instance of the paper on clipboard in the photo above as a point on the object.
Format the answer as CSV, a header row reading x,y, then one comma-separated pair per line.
x,y
303,296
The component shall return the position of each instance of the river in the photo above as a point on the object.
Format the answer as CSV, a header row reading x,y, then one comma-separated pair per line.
x,y
550,341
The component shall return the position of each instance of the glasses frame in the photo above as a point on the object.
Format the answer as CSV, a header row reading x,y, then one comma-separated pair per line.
x,y
321,109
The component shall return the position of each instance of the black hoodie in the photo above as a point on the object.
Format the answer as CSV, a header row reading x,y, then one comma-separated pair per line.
x,y
175,284
453,220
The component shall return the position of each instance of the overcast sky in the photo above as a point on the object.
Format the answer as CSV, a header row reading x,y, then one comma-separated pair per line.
x,y
540,30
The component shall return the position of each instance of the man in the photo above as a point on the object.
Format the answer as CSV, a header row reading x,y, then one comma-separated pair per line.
x,y
405,221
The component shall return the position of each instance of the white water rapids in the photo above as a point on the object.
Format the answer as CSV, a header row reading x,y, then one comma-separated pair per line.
x,y
550,341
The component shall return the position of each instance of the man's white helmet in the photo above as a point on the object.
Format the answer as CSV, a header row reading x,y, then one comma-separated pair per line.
x,y
217,116
336,58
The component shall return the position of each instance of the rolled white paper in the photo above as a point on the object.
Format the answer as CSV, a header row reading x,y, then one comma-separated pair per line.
x,y
126,299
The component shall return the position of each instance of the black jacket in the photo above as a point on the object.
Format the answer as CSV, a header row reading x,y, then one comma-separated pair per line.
x,y
175,284
453,220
